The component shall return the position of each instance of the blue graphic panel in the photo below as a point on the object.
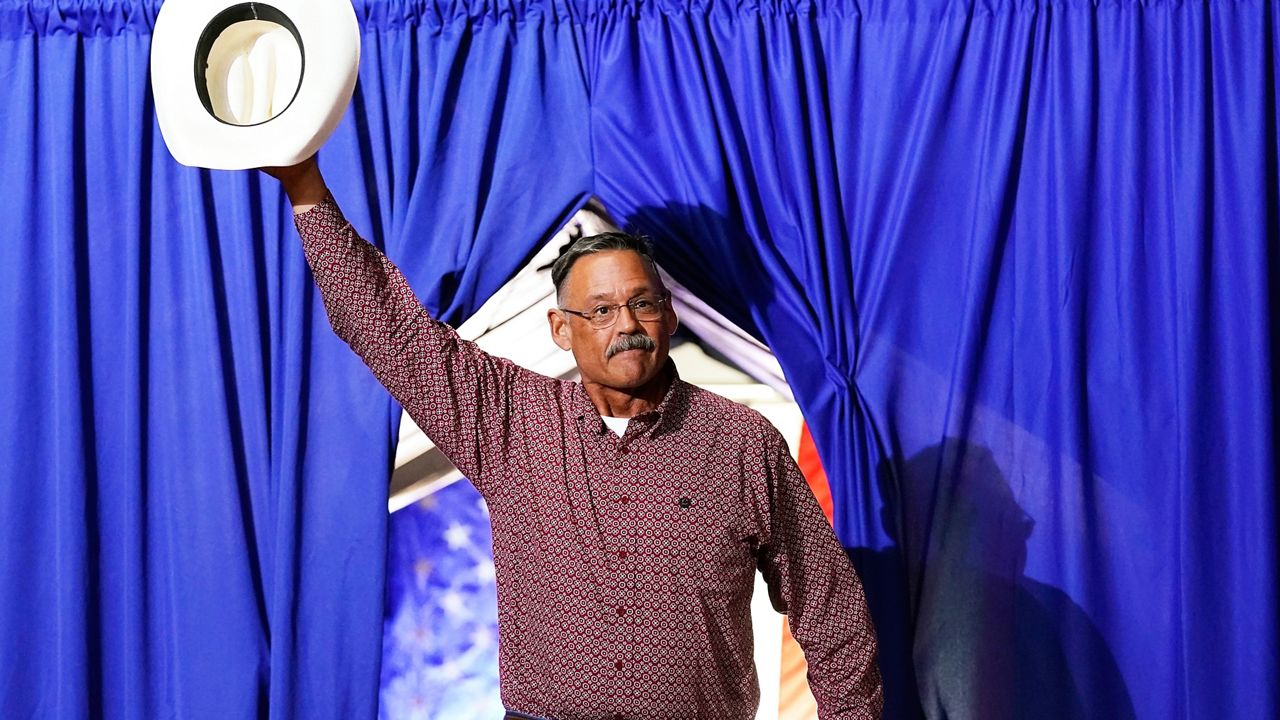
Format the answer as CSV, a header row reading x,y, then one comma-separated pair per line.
x,y
440,637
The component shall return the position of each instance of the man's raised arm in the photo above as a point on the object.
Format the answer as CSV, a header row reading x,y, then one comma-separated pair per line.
x,y
456,393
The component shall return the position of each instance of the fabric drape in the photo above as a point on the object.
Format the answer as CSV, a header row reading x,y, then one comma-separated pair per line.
x,y
194,469
1016,258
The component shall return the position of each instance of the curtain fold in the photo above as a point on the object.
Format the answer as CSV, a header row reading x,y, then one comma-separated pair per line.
x,y
1016,258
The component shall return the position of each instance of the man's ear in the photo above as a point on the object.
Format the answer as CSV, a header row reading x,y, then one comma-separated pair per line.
x,y
559,329
673,320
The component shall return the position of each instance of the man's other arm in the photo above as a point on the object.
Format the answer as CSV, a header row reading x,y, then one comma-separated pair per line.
x,y
811,580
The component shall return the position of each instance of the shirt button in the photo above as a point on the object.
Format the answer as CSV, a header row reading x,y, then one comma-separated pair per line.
x,y
618,664
624,499
622,554
622,450
621,611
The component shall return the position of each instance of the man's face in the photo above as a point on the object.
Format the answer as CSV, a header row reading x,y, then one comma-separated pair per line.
x,y
612,277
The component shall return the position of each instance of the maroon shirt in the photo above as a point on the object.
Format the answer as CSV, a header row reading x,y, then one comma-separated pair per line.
x,y
624,565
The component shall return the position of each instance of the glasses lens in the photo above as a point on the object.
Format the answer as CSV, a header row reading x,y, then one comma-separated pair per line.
x,y
646,308
603,317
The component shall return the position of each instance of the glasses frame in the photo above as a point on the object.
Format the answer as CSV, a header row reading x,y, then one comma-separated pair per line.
x,y
616,309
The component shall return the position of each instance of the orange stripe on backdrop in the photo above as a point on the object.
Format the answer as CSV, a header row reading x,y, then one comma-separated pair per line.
x,y
795,701
811,466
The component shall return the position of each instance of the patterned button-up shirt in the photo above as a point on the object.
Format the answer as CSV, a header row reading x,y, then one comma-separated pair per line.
x,y
625,565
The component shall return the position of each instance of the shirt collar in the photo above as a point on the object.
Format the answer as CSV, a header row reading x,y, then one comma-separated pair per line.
x,y
662,415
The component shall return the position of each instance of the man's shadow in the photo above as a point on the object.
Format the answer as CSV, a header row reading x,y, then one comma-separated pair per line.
x,y
964,633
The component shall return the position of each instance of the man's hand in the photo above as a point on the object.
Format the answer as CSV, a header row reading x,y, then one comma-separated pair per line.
x,y
303,183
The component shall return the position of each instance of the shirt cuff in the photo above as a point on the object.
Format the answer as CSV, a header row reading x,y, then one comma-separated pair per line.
x,y
325,209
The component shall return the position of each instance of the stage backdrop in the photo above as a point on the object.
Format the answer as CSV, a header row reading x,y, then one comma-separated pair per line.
x,y
1018,259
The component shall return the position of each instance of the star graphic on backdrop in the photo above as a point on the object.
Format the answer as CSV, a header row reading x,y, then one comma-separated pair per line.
x,y
457,536
481,637
454,604
450,669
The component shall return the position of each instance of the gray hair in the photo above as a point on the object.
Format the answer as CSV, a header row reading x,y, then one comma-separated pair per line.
x,y
602,242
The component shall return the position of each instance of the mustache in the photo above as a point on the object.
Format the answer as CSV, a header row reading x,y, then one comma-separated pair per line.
x,y
629,342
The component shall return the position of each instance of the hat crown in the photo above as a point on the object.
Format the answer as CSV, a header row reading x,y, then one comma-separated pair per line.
x,y
253,72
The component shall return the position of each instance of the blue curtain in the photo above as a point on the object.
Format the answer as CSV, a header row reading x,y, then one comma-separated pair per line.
x,y
193,470
1017,258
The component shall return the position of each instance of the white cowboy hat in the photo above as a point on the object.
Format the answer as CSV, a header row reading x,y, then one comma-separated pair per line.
x,y
241,85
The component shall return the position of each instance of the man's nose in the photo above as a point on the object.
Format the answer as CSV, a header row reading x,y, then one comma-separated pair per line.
x,y
627,322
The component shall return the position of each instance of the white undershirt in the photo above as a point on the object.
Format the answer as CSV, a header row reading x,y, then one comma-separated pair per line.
x,y
617,425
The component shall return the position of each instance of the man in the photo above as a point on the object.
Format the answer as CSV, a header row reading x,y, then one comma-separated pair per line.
x,y
629,512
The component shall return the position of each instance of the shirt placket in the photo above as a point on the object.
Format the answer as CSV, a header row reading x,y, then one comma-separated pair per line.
x,y
623,458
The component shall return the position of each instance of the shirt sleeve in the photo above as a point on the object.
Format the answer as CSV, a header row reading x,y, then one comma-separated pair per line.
x,y
811,579
458,394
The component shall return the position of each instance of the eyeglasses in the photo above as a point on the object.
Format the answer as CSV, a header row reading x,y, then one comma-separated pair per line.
x,y
644,308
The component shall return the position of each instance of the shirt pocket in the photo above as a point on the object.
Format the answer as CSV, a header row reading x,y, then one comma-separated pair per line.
x,y
712,547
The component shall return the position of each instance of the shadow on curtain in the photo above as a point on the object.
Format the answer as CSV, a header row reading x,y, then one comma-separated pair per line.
x,y
958,554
